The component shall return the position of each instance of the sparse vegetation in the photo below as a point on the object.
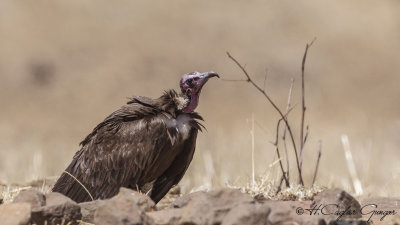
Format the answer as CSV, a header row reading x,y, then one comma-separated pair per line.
x,y
264,186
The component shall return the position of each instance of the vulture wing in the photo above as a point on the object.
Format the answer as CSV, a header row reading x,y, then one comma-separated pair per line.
x,y
175,172
130,148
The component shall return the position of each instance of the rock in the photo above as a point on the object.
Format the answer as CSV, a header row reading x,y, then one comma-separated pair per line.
x,y
334,200
203,208
126,208
220,197
260,198
15,214
31,196
57,210
169,216
348,222
382,202
300,212
209,207
249,214
88,210
141,200
389,206
290,212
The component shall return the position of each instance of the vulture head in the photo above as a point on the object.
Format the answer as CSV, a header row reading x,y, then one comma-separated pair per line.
x,y
191,85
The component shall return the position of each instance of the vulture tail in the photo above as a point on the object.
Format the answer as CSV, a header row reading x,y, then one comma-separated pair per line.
x,y
70,184
70,187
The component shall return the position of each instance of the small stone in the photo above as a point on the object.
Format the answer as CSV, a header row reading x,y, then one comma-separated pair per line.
x,y
126,208
383,205
260,198
88,210
58,209
249,214
31,196
218,197
141,200
15,214
210,207
169,216
337,200
290,212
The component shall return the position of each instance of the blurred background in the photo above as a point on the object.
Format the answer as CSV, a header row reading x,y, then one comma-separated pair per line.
x,y
66,65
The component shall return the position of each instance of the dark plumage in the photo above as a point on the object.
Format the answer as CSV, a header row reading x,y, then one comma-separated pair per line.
x,y
148,145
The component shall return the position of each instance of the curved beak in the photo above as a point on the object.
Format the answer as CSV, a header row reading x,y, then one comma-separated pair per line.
x,y
209,75
203,78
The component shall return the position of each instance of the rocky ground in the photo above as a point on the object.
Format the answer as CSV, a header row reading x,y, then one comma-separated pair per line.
x,y
221,206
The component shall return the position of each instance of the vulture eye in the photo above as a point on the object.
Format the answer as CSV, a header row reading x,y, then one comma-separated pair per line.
x,y
189,82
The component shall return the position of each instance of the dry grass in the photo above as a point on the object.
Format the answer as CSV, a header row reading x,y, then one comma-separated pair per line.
x,y
9,191
265,186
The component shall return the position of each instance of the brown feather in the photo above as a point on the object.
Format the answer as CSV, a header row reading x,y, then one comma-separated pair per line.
x,y
133,147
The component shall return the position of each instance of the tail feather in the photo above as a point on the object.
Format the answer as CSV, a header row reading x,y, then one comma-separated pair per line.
x,y
71,188
71,183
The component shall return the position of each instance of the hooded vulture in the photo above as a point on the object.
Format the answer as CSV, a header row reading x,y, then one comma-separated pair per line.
x,y
145,145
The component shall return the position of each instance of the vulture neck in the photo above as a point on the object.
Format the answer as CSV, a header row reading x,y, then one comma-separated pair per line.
x,y
193,102
172,101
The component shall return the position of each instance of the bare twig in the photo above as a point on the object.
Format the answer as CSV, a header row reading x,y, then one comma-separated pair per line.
x,y
276,144
279,155
276,108
317,164
303,108
253,176
284,131
277,129
306,136
265,78
280,184
233,80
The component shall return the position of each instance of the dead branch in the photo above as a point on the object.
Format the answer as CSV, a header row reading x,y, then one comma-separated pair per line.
x,y
230,80
277,128
276,144
317,164
306,136
303,108
284,131
249,80
280,185
279,155
265,78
